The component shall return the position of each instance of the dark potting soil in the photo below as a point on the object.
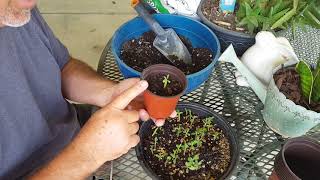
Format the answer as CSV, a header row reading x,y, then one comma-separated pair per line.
x,y
172,150
140,54
305,167
156,85
288,82
212,12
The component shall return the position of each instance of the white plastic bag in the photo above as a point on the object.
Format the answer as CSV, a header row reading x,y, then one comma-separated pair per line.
x,y
181,7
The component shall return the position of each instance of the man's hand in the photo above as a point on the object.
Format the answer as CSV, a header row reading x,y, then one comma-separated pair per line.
x,y
109,133
138,102
115,128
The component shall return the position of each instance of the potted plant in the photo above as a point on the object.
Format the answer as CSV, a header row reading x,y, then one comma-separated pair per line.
x,y
251,16
197,144
290,109
166,84
301,84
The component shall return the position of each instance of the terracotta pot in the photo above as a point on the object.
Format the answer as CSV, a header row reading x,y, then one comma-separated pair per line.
x,y
298,159
161,107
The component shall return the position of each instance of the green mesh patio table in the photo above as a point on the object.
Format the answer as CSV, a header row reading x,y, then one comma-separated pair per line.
x,y
238,105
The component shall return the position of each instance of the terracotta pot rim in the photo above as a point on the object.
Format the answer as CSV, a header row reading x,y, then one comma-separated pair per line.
x,y
185,83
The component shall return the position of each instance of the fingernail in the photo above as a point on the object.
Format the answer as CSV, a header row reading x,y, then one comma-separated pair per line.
x,y
143,84
159,123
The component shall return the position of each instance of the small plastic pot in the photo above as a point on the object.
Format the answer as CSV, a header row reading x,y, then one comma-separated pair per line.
x,y
202,111
160,107
298,159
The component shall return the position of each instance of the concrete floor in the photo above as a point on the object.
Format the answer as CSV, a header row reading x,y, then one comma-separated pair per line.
x,y
85,26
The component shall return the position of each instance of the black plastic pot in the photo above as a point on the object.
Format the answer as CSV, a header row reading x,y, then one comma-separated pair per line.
x,y
240,41
202,111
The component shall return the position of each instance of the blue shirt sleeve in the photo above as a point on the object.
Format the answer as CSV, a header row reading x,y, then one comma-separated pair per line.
x,y
58,50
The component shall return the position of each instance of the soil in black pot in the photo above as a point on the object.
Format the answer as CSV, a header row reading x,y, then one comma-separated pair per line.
x,y
211,11
288,82
187,147
158,87
140,54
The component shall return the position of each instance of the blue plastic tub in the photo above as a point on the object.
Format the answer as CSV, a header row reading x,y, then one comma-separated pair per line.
x,y
199,35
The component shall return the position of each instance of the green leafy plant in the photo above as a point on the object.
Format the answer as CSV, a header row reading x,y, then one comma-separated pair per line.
x,y
166,81
309,81
193,163
257,15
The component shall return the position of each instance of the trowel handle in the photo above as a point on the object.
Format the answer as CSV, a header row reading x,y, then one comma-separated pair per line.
x,y
146,16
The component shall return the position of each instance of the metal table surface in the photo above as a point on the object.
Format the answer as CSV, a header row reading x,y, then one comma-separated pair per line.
x,y
238,105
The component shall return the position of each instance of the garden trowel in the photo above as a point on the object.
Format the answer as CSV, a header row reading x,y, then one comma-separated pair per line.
x,y
166,41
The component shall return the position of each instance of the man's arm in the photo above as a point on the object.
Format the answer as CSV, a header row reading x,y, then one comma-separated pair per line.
x,y
80,83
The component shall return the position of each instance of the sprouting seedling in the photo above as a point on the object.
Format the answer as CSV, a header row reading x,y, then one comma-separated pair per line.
x,y
208,122
193,145
192,118
162,154
198,142
155,142
179,148
178,130
179,113
152,149
186,132
200,133
216,135
173,156
193,163
185,147
166,81
155,131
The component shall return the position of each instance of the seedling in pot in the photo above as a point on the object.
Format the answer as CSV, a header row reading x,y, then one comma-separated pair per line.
x,y
178,130
208,122
193,163
166,85
185,147
216,135
186,132
179,148
162,154
155,131
179,113
166,81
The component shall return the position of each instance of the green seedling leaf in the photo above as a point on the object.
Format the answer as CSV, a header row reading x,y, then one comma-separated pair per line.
x,y
306,79
166,81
